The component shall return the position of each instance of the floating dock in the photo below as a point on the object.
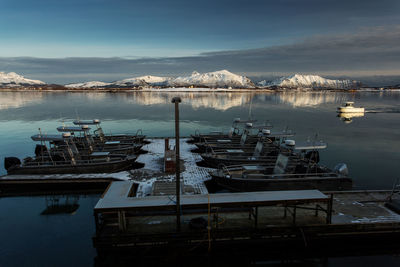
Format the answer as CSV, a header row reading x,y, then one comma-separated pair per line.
x,y
291,220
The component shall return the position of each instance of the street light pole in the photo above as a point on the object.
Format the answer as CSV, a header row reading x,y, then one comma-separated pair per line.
x,y
176,101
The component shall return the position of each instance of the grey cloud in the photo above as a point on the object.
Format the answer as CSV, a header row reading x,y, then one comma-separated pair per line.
x,y
371,50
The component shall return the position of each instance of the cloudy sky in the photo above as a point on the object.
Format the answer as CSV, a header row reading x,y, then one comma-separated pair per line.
x,y
79,40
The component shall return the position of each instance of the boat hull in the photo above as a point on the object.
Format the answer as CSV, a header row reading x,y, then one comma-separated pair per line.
x,y
350,110
214,162
249,185
95,167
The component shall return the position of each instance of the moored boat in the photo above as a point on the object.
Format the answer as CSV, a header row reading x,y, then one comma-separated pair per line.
x,y
348,107
232,133
86,142
99,133
263,177
69,160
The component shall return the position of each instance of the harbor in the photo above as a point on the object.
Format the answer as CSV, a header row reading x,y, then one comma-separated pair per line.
x,y
286,211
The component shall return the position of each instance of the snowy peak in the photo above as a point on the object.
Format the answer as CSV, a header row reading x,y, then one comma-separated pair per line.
x,y
142,81
310,81
93,84
222,78
14,79
153,79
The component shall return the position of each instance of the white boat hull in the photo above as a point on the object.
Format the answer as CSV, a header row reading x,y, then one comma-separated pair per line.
x,y
350,110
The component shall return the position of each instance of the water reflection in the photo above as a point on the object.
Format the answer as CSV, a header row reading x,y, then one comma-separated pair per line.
x,y
309,99
348,117
10,100
217,101
67,204
75,103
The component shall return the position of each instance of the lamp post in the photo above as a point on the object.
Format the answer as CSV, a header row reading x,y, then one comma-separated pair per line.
x,y
176,101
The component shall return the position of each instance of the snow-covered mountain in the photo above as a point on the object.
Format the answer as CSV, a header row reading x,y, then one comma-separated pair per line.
x,y
222,78
13,79
143,81
93,84
310,81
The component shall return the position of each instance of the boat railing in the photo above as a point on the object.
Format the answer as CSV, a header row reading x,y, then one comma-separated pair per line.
x,y
209,149
222,167
139,131
293,175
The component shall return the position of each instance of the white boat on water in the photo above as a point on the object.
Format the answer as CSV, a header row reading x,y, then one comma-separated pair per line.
x,y
349,108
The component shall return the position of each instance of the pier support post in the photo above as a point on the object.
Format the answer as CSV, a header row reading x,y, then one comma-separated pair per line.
x,y
176,101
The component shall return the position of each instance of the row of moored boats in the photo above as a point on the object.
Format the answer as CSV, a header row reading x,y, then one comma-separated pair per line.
x,y
79,149
253,157
250,157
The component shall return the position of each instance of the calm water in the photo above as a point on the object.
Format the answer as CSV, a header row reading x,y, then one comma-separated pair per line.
x,y
369,145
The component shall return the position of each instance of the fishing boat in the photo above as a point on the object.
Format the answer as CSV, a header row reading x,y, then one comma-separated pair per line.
x,y
85,141
297,176
262,152
348,107
70,161
233,132
261,155
295,171
246,143
99,133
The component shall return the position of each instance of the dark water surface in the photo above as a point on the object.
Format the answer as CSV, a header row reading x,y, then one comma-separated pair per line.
x,y
369,145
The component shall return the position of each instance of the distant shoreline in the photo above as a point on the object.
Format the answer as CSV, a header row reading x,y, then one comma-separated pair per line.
x,y
190,90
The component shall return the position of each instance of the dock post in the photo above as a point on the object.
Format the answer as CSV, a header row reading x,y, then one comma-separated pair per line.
x,y
176,101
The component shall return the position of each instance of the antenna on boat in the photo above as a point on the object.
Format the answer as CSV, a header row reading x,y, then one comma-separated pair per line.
x,y
77,115
62,120
395,185
41,144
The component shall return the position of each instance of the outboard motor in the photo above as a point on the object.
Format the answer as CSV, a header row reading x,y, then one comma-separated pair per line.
x,y
10,162
341,169
40,150
312,156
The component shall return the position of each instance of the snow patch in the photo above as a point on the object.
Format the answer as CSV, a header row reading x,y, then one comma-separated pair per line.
x,y
309,81
92,84
15,79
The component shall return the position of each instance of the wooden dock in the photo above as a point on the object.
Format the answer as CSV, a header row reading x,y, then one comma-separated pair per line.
x,y
305,219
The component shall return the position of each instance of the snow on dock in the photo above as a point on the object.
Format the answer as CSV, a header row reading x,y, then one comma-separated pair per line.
x,y
193,176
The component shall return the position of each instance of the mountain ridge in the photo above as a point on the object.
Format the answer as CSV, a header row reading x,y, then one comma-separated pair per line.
x,y
309,81
216,79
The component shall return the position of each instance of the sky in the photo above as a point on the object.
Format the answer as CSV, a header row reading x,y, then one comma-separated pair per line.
x,y
78,40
